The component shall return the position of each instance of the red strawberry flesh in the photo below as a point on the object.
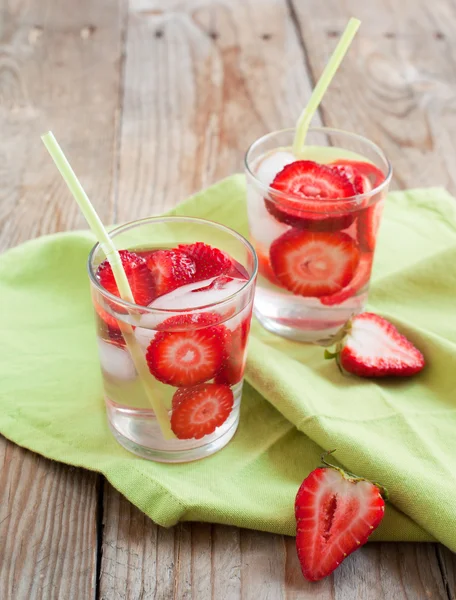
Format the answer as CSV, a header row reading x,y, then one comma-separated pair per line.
x,y
187,358
138,275
170,269
232,369
375,348
209,261
314,263
199,410
335,515
312,192
359,281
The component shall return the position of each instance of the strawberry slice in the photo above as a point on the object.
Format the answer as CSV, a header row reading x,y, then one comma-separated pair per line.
x,y
170,269
365,176
368,224
138,275
264,266
314,263
186,358
107,326
199,410
373,347
232,369
209,261
188,321
313,192
110,321
359,281
335,512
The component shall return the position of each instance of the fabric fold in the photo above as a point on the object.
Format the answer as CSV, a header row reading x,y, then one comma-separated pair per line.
x,y
295,403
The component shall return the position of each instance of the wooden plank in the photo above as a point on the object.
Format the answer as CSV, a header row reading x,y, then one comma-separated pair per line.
x,y
59,69
182,129
203,79
396,85
447,563
48,534
212,562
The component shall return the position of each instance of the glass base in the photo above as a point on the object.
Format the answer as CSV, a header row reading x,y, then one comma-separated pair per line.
x,y
311,336
182,455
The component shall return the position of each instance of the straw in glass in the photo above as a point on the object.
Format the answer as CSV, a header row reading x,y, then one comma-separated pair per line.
x,y
108,247
323,84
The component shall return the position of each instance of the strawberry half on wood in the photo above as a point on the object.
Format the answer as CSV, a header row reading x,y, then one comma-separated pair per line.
x,y
371,346
335,512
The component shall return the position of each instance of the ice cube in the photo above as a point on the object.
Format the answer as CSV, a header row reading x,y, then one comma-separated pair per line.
x,y
267,167
186,296
264,228
115,361
145,336
235,321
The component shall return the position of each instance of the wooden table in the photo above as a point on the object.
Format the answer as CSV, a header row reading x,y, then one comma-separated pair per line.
x,y
153,101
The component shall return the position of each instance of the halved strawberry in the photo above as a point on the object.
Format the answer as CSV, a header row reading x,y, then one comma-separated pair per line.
x,y
170,269
373,347
138,275
359,281
199,410
368,224
314,263
314,193
335,512
209,261
187,358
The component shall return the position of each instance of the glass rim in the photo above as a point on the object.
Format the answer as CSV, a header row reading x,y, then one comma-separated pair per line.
x,y
167,311
354,200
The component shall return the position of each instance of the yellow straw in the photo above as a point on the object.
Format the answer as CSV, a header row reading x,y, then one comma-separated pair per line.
x,y
323,84
108,247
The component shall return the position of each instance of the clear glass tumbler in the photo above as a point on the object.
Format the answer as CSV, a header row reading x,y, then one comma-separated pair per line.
x,y
315,251
173,370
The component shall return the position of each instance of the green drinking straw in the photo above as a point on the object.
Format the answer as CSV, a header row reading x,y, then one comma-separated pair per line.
x,y
108,247
322,85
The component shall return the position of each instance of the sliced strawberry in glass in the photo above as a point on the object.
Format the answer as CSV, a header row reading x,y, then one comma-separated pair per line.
x,y
314,264
170,269
138,275
187,358
359,281
311,196
209,261
371,176
199,410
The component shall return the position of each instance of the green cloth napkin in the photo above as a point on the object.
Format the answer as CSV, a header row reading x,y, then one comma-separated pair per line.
x,y
295,404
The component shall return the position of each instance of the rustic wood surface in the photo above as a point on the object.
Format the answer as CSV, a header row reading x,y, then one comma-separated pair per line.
x,y
153,100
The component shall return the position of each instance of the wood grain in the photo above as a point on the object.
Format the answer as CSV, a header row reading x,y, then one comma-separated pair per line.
x,y
202,80
397,84
59,69
212,562
48,535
